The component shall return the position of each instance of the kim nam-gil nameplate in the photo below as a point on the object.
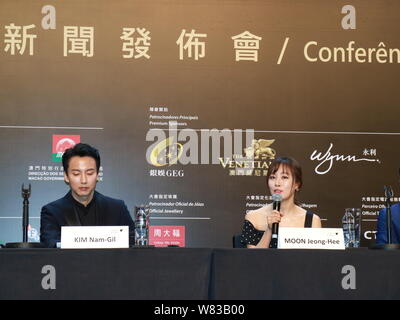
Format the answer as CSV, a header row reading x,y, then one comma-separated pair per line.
x,y
311,238
96,237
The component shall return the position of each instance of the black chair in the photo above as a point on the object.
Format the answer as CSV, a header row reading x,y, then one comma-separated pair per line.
x,y
236,241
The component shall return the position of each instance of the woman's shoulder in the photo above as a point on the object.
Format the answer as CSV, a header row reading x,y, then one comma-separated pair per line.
x,y
258,217
316,220
258,213
312,219
306,211
315,216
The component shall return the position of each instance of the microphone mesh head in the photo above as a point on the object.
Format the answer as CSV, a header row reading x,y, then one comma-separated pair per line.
x,y
276,197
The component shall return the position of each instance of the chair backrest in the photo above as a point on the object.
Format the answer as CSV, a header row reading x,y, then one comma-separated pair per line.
x,y
236,241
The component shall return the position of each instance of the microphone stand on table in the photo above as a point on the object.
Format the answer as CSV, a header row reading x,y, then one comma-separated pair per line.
x,y
26,193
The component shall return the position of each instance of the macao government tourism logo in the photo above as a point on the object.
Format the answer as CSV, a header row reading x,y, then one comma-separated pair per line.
x,y
62,143
255,162
166,152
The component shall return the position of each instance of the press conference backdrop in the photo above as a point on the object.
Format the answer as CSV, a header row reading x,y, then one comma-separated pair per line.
x,y
189,101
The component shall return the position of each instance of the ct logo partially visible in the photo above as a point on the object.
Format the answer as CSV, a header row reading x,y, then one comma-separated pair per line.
x,y
370,235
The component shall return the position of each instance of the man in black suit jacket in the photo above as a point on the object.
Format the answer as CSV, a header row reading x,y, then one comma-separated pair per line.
x,y
82,205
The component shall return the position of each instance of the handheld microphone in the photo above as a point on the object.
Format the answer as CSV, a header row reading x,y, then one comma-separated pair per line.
x,y
276,205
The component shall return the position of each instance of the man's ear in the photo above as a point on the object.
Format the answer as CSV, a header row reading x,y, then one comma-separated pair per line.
x,y
66,179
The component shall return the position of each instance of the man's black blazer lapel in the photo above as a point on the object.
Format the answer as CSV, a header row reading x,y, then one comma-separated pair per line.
x,y
70,213
101,208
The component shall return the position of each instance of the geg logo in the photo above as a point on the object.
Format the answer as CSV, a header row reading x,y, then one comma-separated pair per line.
x,y
369,235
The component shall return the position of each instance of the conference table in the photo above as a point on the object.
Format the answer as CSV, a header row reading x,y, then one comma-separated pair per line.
x,y
199,274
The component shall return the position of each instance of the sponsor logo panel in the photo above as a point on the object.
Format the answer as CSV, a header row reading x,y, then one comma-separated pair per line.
x,y
163,236
62,143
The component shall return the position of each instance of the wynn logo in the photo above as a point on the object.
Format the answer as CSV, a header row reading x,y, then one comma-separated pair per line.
x,y
327,159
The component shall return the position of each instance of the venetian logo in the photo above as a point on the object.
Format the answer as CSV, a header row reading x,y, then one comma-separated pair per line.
x,y
260,149
255,161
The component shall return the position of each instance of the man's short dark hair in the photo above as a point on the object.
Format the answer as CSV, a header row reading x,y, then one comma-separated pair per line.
x,y
80,150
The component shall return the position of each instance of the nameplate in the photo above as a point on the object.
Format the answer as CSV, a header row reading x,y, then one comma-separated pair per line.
x,y
311,238
98,237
